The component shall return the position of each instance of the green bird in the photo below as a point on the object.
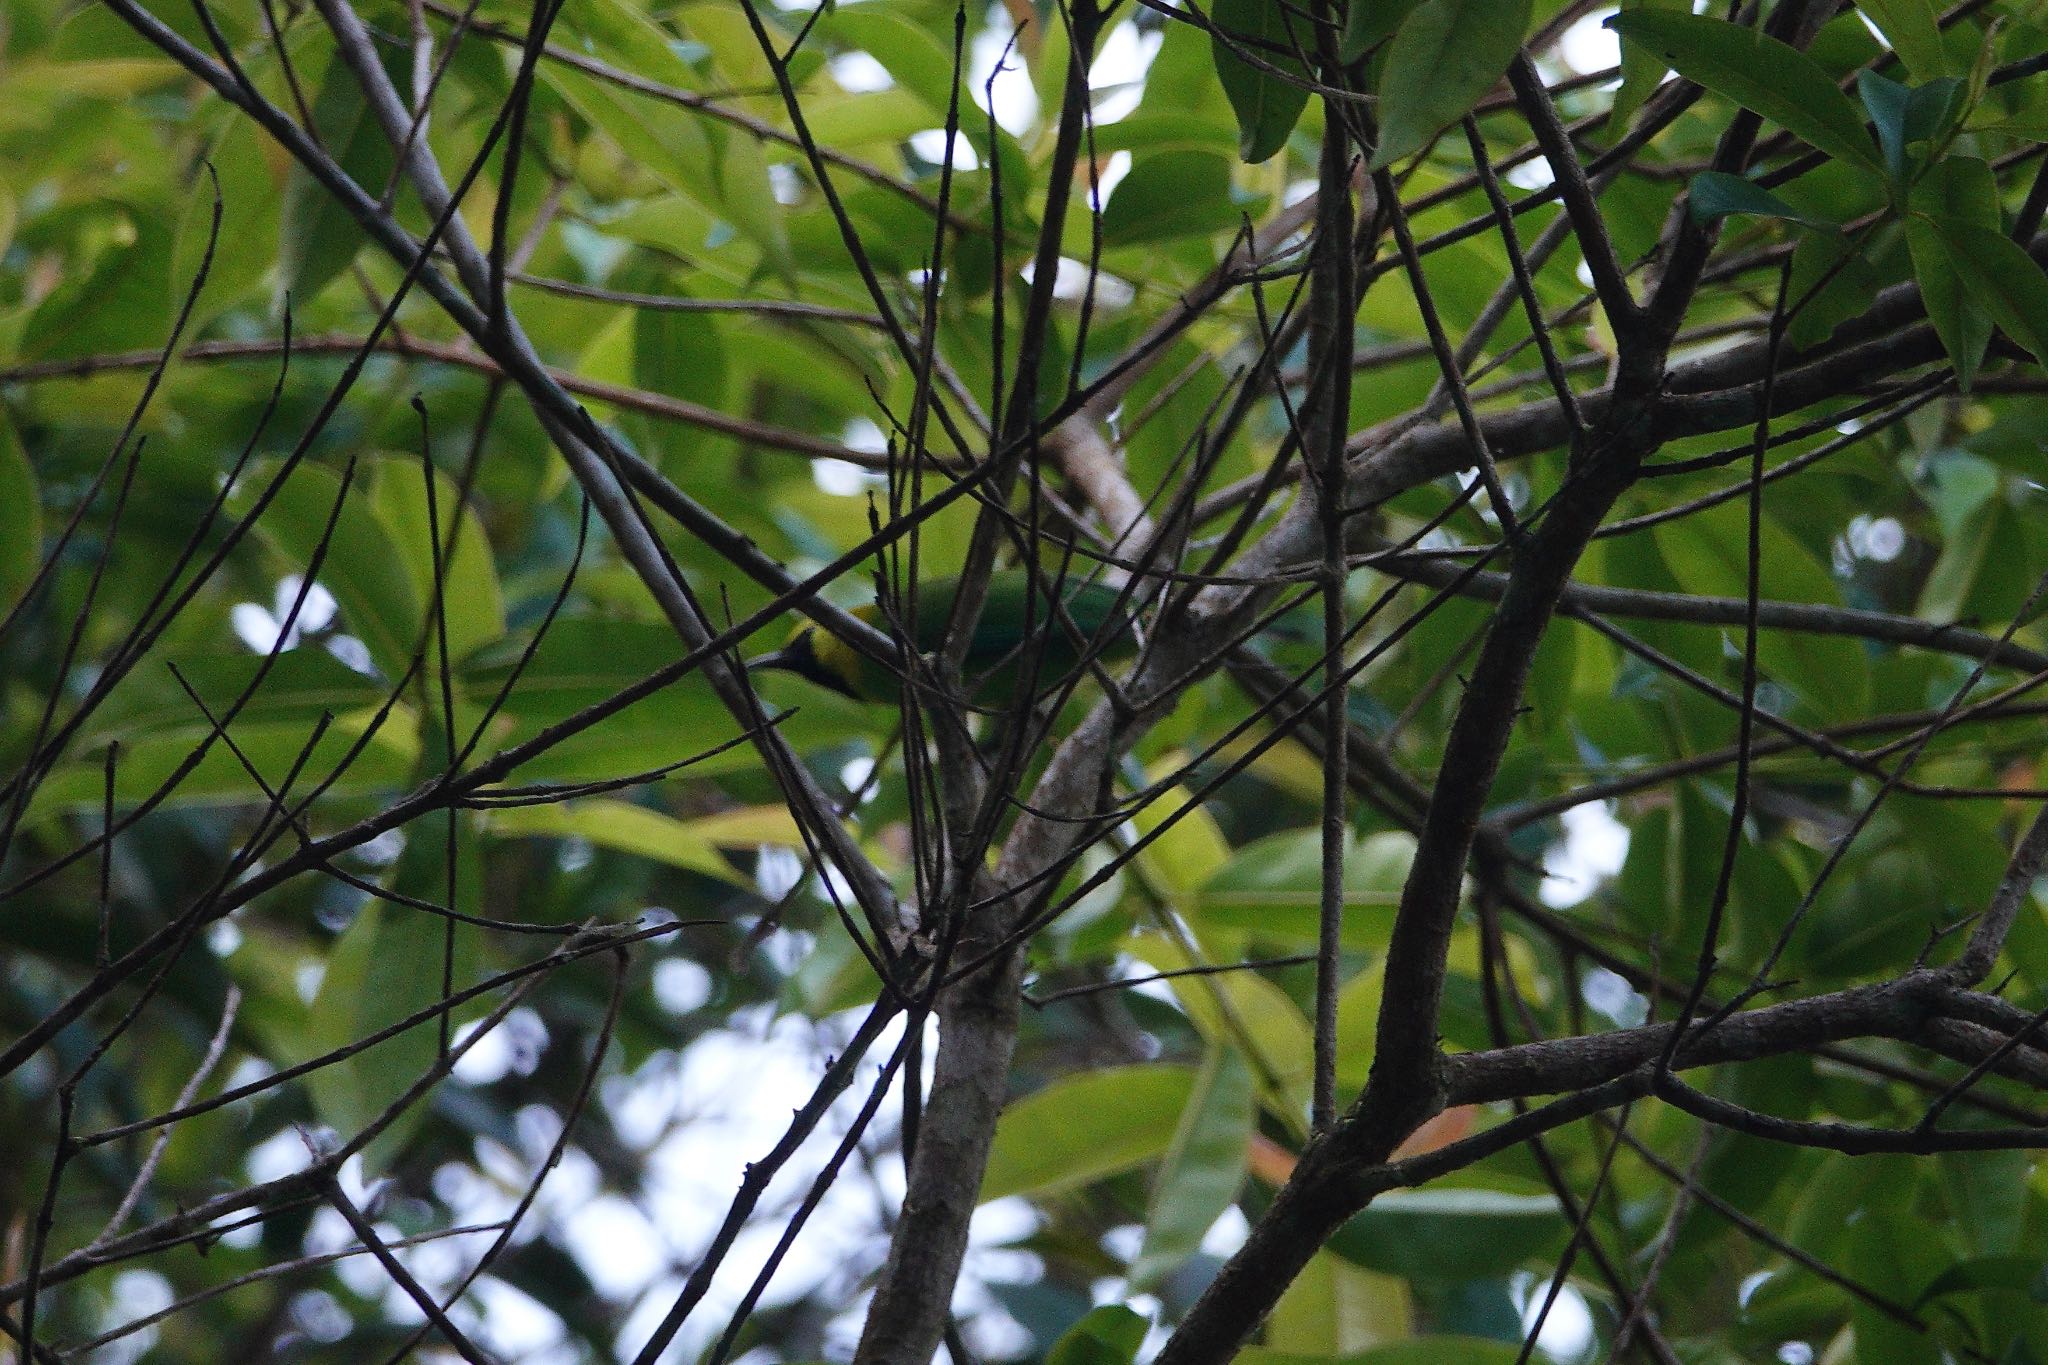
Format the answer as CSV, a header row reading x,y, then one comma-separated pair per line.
x,y
994,662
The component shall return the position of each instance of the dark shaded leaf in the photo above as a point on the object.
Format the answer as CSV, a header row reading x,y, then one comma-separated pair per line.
x,y
1109,1335
1759,73
1961,189
1267,105
1446,56
1716,194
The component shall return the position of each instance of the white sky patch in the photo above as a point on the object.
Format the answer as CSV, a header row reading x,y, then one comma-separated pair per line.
x,y
1009,96
863,435
786,949
598,1230
777,870
1611,995
681,985
1567,1329
1227,1233
513,1046
931,144
705,1114
573,854
1876,538
1594,847
488,1059
1130,968
223,937
1071,283
859,74
259,626
1112,175
521,1329
135,1294
247,1072
1589,45
1121,62
320,1315
1124,1241
855,774
381,851
843,478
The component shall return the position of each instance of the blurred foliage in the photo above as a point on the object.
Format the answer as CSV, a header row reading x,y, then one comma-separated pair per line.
x,y
1147,1123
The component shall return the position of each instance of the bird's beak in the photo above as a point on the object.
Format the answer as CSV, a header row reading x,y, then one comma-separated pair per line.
x,y
779,658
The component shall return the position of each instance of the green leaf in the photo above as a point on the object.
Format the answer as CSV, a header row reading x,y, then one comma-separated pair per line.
x,y
1370,23
378,606
1267,105
298,685
2031,126
1905,116
621,32
2002,279
1932,109
21,517
126,296
1832,282
1272,888
388,965
273,747
249,209
1248,1011
629,828
1172,194
664,142
908,51
2026,1274
1759,73
584,660
1188,852
1894,1254
1885,101
1446,56
1641,71
1429,1350
474,603
1972,579
317,237
1451,1234
1961,189
1708,554
1204,1168
1109,1335
1979,1190
1334,1308
1083,1128
1716,194
1911,27
1358,1024
680,354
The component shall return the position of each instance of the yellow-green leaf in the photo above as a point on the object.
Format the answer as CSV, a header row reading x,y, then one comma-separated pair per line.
x,y
1084,1128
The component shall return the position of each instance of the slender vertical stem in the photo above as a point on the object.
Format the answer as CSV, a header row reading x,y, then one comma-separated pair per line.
x,y
1329,420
